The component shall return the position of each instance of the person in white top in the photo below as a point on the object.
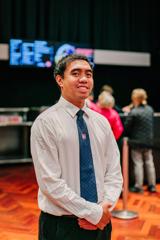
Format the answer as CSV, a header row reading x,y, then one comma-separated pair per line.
x,y
65,215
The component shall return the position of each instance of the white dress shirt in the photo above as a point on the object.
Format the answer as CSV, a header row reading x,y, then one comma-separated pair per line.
x,y
55,153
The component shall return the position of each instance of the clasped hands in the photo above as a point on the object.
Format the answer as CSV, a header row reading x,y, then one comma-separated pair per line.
x,y
105,219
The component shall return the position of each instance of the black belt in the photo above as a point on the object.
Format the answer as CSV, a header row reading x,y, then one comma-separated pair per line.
x,y
69,216
63,216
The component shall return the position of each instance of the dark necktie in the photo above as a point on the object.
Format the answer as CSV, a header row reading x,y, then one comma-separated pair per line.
x,y
87,174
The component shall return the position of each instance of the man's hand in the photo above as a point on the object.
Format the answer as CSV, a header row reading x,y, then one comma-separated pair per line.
x,y
83,223
105,219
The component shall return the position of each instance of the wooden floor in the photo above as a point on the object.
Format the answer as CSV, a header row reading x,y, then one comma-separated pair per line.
x,y
19,211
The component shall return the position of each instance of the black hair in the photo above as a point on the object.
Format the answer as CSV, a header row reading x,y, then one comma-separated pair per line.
x,y
63,62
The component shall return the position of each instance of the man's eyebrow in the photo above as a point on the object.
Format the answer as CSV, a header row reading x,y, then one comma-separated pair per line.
x,y
79,69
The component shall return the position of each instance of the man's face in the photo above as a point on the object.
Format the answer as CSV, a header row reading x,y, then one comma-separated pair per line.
x,y
77,82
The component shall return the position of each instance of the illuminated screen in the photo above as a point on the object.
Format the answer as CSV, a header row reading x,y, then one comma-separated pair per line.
x,y
31,53
65,49
88,52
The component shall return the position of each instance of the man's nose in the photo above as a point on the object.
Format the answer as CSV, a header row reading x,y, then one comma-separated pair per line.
x,y
83,78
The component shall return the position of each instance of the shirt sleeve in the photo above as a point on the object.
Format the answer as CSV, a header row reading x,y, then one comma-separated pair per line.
x,y
113,176
44,152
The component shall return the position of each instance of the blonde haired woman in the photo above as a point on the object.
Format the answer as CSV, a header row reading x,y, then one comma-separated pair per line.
x,y
139,128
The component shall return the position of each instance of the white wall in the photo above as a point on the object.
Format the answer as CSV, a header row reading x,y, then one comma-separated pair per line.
x,y
104,57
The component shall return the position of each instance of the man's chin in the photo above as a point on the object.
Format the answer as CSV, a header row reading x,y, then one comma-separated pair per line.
x,y
84,96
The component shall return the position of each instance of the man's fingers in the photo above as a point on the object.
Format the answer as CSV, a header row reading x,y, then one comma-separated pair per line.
x,y
86,225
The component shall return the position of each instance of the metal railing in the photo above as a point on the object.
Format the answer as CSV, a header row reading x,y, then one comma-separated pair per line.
x,y
125,213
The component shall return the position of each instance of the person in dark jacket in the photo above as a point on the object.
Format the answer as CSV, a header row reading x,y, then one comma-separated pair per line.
x,y
139,129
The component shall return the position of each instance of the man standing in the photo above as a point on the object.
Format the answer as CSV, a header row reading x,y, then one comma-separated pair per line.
x,y
76,160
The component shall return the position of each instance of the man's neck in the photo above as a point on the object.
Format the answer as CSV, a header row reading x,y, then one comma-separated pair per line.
x,y
78,103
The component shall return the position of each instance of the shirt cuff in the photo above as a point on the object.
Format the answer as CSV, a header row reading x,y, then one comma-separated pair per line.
x,y
96,214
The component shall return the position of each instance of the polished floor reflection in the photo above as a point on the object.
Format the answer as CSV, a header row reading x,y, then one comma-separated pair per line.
x,y
19,211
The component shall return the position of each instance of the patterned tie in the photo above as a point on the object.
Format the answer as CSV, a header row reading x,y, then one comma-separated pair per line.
x,y
87,174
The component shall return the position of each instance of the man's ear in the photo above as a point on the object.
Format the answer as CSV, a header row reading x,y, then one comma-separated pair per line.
x,y
59,81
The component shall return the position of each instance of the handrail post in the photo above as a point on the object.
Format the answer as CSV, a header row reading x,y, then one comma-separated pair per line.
x,y
125,154
125,214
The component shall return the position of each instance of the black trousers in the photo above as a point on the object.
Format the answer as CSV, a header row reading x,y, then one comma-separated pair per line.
x,y
67,228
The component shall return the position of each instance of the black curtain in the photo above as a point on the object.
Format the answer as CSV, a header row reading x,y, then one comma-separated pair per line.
x,y
129,25
105,24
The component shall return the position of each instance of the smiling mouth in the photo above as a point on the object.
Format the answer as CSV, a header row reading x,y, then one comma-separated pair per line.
x,y
83,87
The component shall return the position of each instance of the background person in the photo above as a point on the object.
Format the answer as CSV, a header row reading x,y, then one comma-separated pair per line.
x,y
56,152
139,128
90,102
106,103
109,90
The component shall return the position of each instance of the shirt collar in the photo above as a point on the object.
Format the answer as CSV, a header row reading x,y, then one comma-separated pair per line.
x,y
71,108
